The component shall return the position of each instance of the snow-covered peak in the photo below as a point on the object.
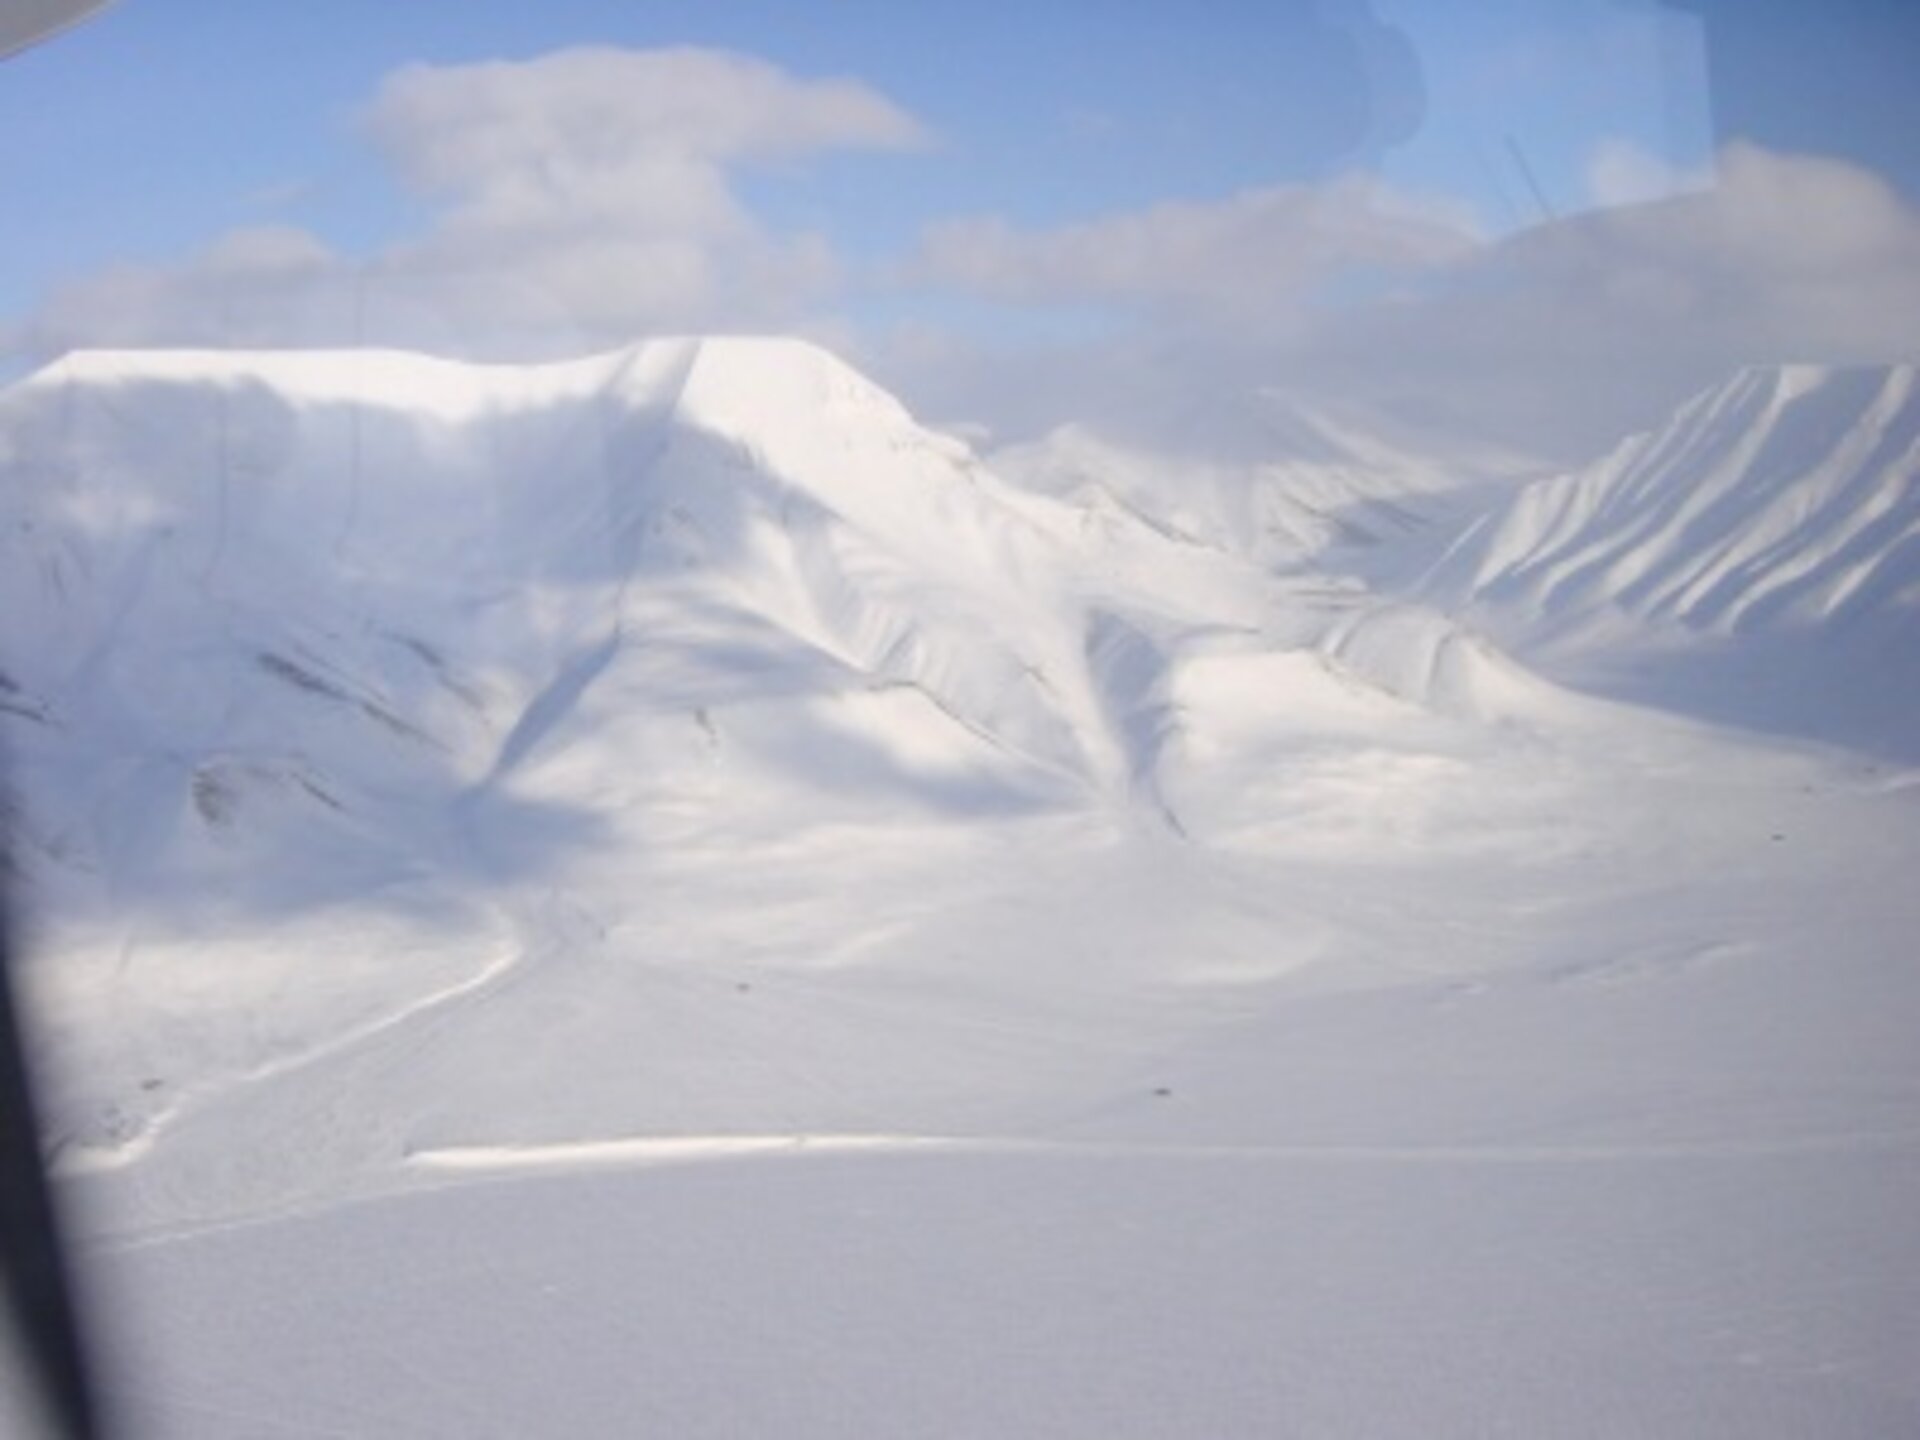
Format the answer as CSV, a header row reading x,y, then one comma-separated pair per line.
x,y
1787,497
751,376
756,380
449,390
1756,560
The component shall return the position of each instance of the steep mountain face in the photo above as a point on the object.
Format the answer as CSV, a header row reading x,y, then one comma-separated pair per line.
x,y
1787,499
326,597
1758,558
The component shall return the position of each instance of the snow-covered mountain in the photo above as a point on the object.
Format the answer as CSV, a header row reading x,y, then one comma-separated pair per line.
x,y
1278,484
577,855
1788,498
1758,555
316,585
290,631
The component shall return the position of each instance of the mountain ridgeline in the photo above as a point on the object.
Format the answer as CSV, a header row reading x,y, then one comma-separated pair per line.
x,y
353,594
1756,559
334,594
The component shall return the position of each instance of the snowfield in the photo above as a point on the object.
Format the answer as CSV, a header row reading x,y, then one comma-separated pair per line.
x,y
657,895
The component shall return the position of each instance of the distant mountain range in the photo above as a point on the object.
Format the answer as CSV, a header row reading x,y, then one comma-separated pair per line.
x,y
332,594
323,596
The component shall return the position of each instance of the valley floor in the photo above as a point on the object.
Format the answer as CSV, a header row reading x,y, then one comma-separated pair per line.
x,y
1571,1093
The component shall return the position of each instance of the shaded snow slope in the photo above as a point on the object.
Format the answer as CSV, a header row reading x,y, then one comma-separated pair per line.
x,y
1788,498
1280,487
1758,558
340,572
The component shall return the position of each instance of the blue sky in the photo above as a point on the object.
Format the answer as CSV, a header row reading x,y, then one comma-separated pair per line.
x,y
997,183
165,121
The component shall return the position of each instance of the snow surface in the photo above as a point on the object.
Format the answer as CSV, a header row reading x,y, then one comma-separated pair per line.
x,y
1284,488
1756,559
656,895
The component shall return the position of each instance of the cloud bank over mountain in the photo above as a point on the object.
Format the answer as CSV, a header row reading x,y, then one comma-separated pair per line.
x,y
579,200
1559,336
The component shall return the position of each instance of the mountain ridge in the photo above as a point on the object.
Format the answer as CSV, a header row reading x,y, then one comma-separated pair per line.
x,y
1786,494
1755,561
347,576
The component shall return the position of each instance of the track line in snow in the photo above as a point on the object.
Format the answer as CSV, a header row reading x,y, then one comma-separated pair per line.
x,y
93,1159
644,1151
677,1149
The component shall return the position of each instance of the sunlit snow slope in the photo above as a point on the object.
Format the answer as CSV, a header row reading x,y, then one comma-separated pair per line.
x,y
1757,558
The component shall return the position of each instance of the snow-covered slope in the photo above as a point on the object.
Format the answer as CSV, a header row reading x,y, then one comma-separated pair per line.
x,y
1767,540
1275,483
1786,499
382,570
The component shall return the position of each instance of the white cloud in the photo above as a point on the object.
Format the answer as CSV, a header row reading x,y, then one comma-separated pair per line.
x,y
1572,332
639,140
1248,260
1620,172
269,250
580,198
591,192
1560,337
257,286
